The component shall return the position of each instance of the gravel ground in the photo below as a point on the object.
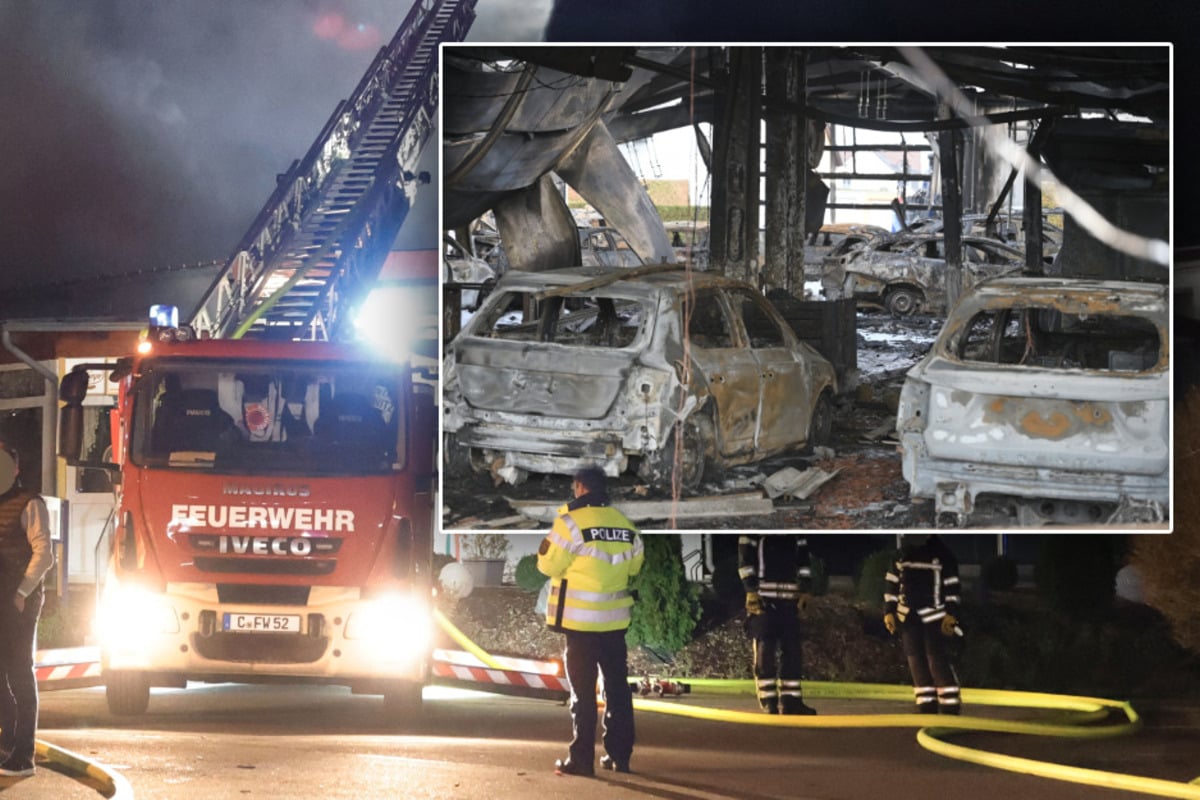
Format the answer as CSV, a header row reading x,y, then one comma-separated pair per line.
x,y
843,642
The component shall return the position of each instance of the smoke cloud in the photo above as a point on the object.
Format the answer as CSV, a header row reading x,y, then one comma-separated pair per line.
x,y
139,134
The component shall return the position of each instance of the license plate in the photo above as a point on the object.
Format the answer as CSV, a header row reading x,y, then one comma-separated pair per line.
x,y
262,623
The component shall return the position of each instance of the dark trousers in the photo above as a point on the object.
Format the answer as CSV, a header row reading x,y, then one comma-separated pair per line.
x,y
935,684
587,656
778,656
18,684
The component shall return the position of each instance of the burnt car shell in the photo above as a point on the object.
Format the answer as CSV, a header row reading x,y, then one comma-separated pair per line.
x,y
548,377
906,273
1046,396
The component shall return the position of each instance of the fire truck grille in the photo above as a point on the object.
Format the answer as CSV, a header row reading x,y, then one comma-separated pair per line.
x,y
263,648
263,595
266,566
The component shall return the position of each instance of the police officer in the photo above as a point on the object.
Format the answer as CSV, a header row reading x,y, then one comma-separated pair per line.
x,y
590,555
921,600
25,557
776,573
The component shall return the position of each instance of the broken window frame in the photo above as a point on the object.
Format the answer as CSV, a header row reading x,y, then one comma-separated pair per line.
x,y
1038,337
550,320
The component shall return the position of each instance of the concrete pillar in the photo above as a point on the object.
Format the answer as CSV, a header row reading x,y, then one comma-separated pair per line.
x,y
949,147
734,224
783,265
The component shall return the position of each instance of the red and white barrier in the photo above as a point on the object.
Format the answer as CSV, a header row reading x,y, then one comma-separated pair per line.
x,y
77,667
528,676
68,668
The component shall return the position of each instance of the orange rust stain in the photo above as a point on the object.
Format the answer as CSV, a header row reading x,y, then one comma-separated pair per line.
x,y
1056,426
1090,414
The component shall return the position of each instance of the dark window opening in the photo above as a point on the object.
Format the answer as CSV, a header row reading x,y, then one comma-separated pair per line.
x,y
1048,338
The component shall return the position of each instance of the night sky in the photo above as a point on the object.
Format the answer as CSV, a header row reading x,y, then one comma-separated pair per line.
x,y
142,134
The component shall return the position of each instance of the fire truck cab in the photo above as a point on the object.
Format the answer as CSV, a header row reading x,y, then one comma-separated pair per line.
x,y
273,517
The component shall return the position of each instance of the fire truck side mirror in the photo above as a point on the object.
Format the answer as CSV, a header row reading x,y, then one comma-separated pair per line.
x,y
71,391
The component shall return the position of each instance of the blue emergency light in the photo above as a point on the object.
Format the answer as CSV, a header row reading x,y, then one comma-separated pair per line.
x,y
162,316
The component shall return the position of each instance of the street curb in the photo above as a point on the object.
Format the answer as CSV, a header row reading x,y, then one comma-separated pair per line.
x,y
107,782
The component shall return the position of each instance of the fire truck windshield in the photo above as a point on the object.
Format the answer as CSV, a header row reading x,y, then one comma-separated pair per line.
x,y
317,419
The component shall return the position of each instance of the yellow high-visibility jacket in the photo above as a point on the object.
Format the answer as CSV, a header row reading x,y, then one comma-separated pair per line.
x,y
590,555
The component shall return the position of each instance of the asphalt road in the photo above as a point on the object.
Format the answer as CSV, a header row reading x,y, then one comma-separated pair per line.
x,y
321,742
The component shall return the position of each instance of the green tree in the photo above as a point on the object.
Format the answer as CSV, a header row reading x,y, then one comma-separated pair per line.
x,y
668,606
872,582
1168,565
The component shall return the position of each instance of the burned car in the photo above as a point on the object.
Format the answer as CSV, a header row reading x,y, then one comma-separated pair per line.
x,y
605,247
1043,400
610,367
833,241
906,273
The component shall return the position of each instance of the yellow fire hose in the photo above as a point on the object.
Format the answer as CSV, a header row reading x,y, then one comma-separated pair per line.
x,y
1079,717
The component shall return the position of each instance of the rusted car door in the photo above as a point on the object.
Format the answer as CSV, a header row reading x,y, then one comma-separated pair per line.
x,y
786,400
730,370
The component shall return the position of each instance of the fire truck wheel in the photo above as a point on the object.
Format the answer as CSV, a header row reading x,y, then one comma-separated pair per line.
x,y
127,692
402,702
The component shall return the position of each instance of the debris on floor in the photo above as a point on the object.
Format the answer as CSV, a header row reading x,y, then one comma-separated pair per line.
x,y
791,482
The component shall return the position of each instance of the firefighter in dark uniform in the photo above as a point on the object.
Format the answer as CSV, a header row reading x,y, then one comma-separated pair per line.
x,y
921,600
777,576
590,555
25,557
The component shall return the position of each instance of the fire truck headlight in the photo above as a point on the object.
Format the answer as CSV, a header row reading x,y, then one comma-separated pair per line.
x,y
396,627
130,616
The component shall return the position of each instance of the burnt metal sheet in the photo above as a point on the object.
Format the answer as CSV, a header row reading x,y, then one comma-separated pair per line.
x,y
551,406
1086,423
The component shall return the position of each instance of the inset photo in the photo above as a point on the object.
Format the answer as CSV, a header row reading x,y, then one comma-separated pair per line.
x,y
824,287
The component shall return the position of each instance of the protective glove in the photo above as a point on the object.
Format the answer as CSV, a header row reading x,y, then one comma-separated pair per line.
x,y
949,622
889,622
802,604
754,603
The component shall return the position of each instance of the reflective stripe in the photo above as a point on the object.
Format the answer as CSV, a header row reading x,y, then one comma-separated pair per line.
x,y
572,527
891,598
921,565
790,684
745,572
557,539
594,597
594,551
571,613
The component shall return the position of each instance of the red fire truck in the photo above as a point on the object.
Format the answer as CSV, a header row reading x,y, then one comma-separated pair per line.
x,y
273,518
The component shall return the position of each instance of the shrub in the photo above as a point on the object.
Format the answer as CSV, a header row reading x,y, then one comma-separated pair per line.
x,y
52,630
1168,565
726,584
1076,574
527,575
999,574
871,581
485,546
820,577
440,560
668,606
